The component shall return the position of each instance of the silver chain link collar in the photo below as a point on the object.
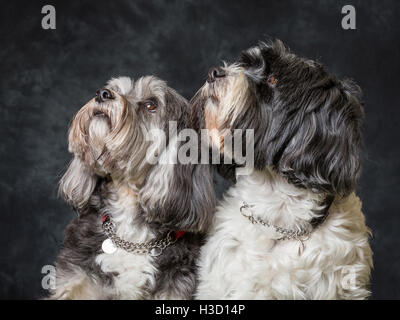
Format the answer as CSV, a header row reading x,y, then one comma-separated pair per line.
x,y
152,247
287,234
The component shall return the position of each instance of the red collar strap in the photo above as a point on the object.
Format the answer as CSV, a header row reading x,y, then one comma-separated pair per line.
x,y
179,234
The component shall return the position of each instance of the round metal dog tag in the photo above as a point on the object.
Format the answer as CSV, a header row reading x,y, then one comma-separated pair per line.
x,y
155,252
108,246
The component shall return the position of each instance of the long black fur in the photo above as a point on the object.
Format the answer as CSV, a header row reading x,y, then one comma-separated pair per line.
x,y
308,125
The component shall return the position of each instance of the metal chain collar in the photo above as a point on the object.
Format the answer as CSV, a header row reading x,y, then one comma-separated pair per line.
x,y
287,234
153,247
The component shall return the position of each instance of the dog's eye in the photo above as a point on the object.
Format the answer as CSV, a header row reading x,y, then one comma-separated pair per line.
x,y
150,106
272,81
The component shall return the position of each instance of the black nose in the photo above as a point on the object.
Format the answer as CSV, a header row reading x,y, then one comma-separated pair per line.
x,y
215,73
102,95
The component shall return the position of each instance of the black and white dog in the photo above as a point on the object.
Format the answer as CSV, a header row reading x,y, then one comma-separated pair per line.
x,y
293,227
140,223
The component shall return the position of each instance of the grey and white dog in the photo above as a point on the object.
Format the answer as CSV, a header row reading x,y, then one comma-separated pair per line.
x,y
140,225
293,228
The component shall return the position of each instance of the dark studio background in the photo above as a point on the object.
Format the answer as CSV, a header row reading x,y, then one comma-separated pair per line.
x,y
47,75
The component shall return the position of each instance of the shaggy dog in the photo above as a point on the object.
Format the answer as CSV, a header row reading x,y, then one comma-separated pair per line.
x,y
293,227
139,227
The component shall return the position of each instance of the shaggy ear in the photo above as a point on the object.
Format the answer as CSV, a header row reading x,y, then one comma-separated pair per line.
x,y
187,201
180,196
77,184
318,146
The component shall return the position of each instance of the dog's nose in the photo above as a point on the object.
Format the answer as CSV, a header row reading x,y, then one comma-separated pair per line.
x,y
215,73
103,95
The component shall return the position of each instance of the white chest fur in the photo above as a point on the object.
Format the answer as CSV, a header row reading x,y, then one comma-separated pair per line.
x,y
132,272
244,261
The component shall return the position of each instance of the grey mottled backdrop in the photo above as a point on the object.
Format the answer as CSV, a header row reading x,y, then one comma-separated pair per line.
x,y
47,75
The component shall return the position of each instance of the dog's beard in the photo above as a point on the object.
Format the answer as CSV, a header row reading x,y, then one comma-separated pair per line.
x,y
222,102
108,138
98,131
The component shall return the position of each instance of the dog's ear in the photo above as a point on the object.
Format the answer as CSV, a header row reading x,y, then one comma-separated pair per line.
x,y
77,184
180,196
187,202
317,146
